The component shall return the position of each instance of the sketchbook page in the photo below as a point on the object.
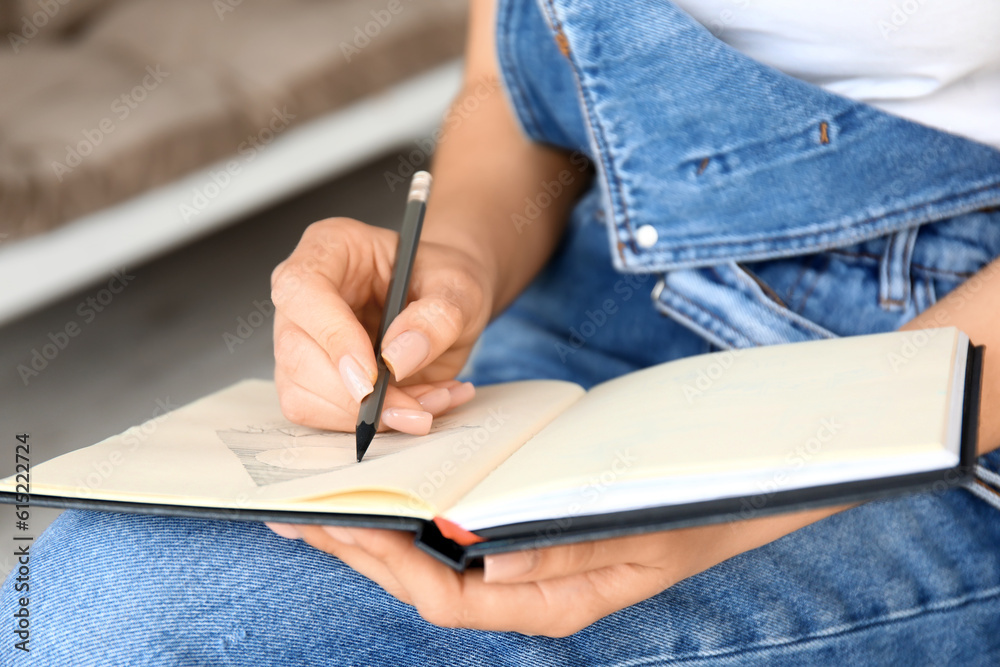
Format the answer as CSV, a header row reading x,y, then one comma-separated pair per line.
x,y
235,449
736,423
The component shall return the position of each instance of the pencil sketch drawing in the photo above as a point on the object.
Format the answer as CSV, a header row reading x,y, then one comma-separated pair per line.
x,y
282,451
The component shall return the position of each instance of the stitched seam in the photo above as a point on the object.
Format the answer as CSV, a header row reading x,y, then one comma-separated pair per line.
x,y
930,292
849,253
923,268
668,310
796,321
943,272
825,264
907,268
510,74
808,264
795,285
898,268
896,617
713,316
767,289
837,226
597,128
884,263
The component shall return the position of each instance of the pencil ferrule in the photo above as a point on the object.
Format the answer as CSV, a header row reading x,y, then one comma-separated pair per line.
x,y
420,187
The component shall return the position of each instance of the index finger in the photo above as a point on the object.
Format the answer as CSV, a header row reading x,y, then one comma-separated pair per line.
x,y
311,302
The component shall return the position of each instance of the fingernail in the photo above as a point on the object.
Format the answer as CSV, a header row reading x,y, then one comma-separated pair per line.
x,y
462,393
435,400
340,534
504,567
415,422
355,378
286,530
405,352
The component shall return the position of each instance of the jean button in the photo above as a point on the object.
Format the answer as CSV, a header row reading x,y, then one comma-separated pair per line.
x,y
646,236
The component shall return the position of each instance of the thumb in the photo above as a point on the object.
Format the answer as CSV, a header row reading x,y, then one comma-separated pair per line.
x,y
422,332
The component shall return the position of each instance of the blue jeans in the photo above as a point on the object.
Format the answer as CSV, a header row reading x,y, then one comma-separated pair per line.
x,y
909,581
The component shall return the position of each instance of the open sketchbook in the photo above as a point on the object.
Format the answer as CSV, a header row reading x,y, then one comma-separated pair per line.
x,y
715,437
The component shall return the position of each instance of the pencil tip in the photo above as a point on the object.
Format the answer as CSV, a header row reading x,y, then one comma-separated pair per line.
x,y
364,434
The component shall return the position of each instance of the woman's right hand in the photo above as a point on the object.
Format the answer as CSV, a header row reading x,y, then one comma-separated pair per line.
x,y
328,298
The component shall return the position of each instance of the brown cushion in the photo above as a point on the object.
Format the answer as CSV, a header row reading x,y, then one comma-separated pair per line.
x,y
211,81
23,22
74,144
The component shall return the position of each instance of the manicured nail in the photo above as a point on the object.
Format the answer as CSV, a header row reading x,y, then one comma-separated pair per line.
x,y
340,534
286,530
435,400
414,422
504,567
405,352
462,393
354,377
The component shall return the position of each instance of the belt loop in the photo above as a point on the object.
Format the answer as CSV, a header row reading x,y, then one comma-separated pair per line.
x,y
894,270
986,486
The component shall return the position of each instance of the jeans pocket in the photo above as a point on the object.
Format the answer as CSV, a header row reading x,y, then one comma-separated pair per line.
x,y
731,308
882,283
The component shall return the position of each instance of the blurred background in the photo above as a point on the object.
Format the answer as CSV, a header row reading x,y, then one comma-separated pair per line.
x,y
157,160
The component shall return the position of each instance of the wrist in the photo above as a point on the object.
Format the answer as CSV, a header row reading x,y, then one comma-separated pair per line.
x,y
479,252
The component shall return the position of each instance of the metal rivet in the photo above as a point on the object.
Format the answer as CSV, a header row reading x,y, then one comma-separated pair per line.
x,y
646,236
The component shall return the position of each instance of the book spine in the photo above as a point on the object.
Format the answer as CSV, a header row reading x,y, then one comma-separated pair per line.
x,y
449,552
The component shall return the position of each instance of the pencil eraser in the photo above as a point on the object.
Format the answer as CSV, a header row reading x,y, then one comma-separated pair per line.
x,y
420,186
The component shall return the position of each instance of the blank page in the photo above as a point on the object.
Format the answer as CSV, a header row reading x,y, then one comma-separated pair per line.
x,y
737,423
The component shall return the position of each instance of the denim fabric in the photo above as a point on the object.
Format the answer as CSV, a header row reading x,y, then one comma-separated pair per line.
x,y
584,321
877,285
730,163
908,581
913,581
725,158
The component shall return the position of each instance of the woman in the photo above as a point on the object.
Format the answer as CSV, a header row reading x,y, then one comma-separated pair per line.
x,y
754,208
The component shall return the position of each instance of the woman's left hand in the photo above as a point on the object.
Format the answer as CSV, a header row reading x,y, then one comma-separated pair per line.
x,y
554,591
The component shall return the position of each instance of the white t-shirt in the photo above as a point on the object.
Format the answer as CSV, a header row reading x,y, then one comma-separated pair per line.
x,y
936,62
